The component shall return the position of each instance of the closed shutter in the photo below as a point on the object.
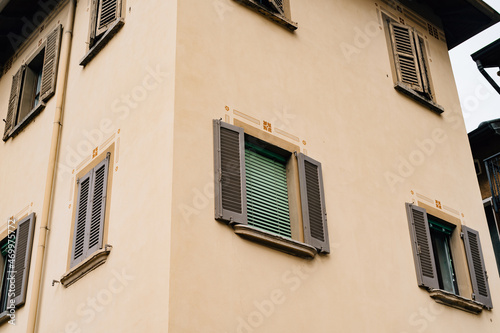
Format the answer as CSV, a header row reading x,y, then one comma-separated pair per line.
x,y
90,213
50,62
405,56
312,199
423,256
229,173
15,94
83,206
98,206
477,268
267,192
24,244
109,11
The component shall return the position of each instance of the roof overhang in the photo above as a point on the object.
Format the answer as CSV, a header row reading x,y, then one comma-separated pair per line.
x,y
485,131
488,57
461,19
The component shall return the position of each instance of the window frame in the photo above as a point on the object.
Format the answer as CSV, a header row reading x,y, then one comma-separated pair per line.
x,y
99,36
230,178
19,95
274,12
421,91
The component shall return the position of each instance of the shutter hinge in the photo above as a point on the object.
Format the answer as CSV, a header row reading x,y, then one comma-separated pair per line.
x,y
77,181
473,296
462,235
108,155
5,121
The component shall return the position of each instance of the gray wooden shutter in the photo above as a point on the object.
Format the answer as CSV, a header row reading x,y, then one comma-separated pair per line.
x,y
93,22
24,243
15,94
312,199
477,270
98,206
50,62
405,56
230,179
109,11
83,206
423,254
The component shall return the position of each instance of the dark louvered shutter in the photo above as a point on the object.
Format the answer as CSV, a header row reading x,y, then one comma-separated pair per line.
x,y
24,243
109,11
405,56
230,180
15,94
96,223
312,199
94,8
477,269
83,206
423,255
278,5
50,62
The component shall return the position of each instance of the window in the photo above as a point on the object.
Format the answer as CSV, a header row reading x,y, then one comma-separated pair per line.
x,y
433,254
33,85
411,65
105,21
90,213
276,10
15,262
260,186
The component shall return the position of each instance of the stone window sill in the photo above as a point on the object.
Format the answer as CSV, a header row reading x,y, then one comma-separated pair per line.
x,y
99,45
4,317
76,273
33,113
281,20
418,98
276,242
456,301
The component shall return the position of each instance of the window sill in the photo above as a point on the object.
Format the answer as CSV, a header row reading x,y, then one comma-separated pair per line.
x,y
76,273
4,317
29,117
281,20
276,242
94,50
416,97
456,301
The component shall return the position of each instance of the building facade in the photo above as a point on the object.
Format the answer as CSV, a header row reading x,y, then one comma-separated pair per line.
x,y
169,167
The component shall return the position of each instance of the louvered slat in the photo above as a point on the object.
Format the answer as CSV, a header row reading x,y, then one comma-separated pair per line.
x,y
476,265
15,93
267,194
405,53
231,173
423,254
314,202
108,12
97,213
83,205
50,62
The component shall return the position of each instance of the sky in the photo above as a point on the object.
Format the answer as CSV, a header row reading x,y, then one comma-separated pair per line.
x,y
478,99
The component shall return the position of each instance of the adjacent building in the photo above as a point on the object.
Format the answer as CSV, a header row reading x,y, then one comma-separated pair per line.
x,y
239,166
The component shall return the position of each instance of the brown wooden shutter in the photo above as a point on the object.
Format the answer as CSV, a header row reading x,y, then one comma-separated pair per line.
x,y
312,199
83,206
405,56
24,244
94,7
50,62
98,206
477,270
15,94
424,75
109,11
229,173
423,254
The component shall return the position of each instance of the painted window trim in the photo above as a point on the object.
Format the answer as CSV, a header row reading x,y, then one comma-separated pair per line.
x,y
282,20
95,260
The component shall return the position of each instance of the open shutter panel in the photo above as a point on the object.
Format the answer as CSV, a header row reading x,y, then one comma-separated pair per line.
x,y
98,206
230,179
82,216
422,64
15,93
278,4
422,247
312,199
93,22
24,243
50,62
405,56
109,11
477,268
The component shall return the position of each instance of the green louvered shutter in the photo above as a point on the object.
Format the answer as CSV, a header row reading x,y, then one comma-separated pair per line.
x,y
477,269
267,192
423,255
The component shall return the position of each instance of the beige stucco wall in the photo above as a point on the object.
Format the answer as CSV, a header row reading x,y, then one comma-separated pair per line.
x,y
353,121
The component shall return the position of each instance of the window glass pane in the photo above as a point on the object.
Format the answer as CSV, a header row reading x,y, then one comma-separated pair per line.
x,y
267,192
